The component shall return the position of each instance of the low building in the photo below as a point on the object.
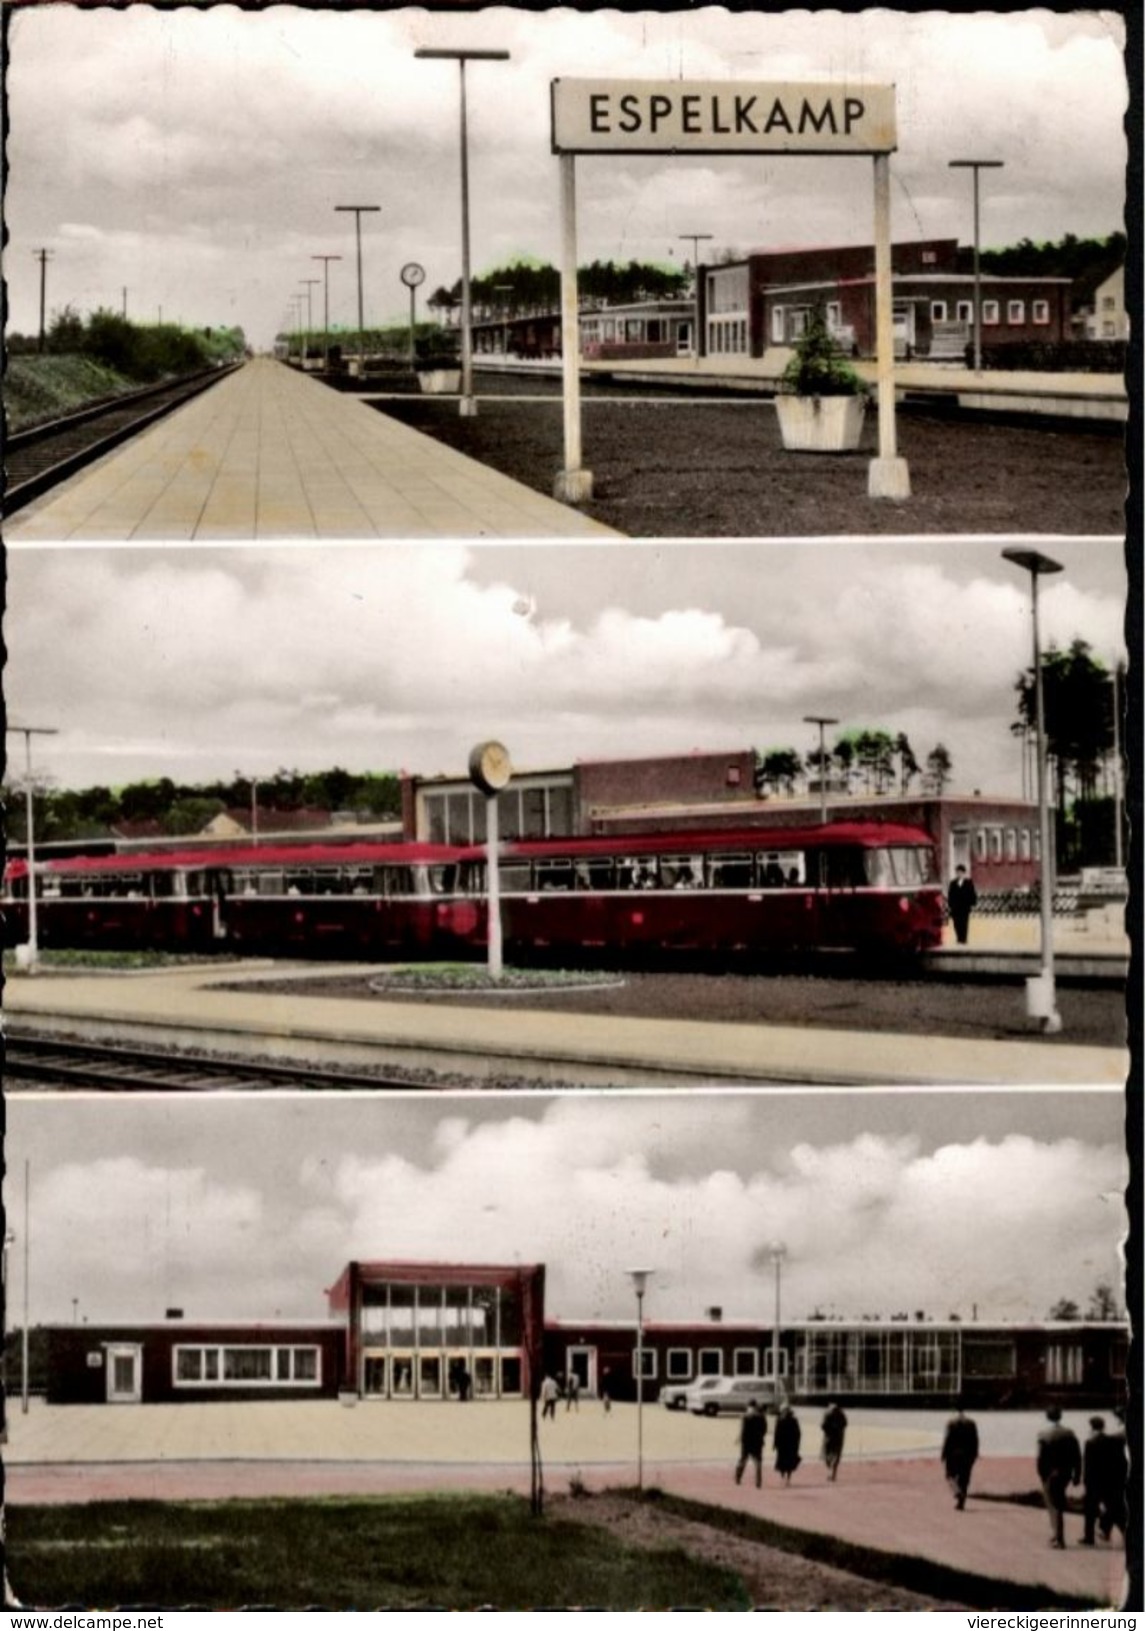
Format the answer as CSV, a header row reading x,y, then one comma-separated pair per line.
x,y
995,838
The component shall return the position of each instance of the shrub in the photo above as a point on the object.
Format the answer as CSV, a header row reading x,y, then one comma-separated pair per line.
x,y
818,368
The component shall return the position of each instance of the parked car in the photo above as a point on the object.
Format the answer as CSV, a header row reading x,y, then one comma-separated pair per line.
x,y
730,1395
675,1395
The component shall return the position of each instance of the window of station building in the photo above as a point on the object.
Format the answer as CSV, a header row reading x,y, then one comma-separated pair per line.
x,y
510,1375
964,311
996,837
981,844
927,1360
710,1362
1064,1362
938,311
678,1364
429,1376
745,1362
989,1356
1025,846
768,1358
1016,311
246,1365
647,1358
1119,1353
990,312
1040,311
1011,843
779,325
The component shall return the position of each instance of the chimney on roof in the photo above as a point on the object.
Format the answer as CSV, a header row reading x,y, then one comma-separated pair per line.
x,y
715,1315
173,1314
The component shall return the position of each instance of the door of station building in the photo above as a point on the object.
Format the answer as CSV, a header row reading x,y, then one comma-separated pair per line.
x,y
124,1373
582,1363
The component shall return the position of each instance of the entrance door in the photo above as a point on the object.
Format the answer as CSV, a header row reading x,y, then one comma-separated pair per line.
x,y
582,1363
124,1373
960,848
684,340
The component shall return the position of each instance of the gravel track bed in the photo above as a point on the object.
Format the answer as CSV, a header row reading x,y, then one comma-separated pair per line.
x,y
716,468
917,1008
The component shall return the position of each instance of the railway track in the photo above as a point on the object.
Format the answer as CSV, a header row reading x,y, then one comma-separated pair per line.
x,y
38,458
66,1064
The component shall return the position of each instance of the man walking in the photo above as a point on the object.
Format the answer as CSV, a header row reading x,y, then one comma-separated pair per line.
x,y
1059,1464
959,1454
1103,1482
550,1393
833,1427
753,1432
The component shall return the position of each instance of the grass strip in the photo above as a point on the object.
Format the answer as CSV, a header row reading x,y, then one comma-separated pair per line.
x,y
430,1552
921,1574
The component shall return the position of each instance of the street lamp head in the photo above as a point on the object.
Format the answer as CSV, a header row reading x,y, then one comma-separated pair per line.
x,y
777,1251
434,52
1032,561
975,164
640,1279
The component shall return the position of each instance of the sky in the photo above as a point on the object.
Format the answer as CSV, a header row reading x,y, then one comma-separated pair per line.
x,y
195,156
251,1206
198,662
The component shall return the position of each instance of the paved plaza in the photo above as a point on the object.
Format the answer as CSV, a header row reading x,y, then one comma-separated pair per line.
x,y
890,1494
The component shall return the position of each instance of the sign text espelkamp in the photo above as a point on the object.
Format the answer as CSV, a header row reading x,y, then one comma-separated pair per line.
x,y
717,116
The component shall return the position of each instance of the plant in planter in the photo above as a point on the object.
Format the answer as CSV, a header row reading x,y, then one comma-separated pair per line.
x,y
822,398
439,371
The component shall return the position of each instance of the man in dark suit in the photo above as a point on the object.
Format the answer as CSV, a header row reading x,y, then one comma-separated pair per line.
x,y
962,896
1059,1464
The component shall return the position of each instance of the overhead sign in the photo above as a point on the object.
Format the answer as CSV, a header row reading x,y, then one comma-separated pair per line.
x,y
718,116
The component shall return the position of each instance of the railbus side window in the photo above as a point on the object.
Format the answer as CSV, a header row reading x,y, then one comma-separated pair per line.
x,y
682,872
513,877
553,874
443,878
596,873
730,872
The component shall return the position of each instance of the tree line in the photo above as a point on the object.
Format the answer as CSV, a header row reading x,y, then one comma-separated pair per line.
x,y
867,761
179,809
136,351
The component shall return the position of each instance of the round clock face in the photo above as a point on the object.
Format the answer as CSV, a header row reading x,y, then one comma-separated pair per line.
x,y
490,767
412,274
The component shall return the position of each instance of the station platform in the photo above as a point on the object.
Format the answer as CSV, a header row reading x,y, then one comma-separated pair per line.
x,y
890,1494
186,1007
270,453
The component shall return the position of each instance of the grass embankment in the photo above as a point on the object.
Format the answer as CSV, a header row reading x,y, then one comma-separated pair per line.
x,y
434,1552
110,961
37,389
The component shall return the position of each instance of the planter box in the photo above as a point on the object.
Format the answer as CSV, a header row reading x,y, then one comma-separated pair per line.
x,y
440,381
821,424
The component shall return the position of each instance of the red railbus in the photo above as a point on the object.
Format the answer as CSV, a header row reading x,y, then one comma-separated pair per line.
x,y
863,886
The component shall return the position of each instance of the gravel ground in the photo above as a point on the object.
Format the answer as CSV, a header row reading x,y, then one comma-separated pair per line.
x,y
774,1579
919,1008
673,469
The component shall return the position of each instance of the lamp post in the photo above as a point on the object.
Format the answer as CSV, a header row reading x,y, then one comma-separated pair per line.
x,y
358,211
27,732
696,239
467,407
821,720
777,1251
1041,992
640,1279
43,256
975,165
326,260
308,283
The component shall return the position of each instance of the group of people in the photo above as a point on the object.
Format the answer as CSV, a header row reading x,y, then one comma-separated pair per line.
x,y
786,1441
556,1388
1100,1466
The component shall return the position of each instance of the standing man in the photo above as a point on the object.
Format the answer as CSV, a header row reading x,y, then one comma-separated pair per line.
x,y
573,1392
1059,1465
959,1454
833,1427
550,1393
962,897
753,1432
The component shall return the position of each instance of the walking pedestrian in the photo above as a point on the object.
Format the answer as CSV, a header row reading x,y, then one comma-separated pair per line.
x,y
573,1393
962,897
1103,1482
753,1432
959,1454
834,1428
550,1393
1059,1464
786,1440
607,1389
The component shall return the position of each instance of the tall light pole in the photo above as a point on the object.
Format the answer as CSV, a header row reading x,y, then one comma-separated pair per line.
x,y
1041,992
696,239
27,732
308,283
640,1279
467,407
358,211
777,1251
43,256
975,165
326,260
821,720
504,289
